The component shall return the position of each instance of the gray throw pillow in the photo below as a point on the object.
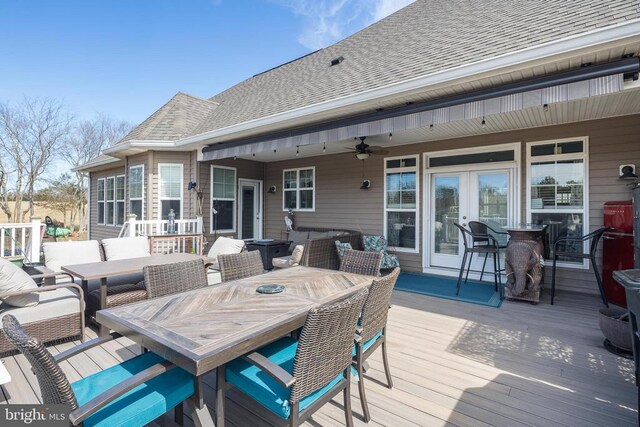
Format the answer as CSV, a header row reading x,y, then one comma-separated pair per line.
x,y
318,235
13,278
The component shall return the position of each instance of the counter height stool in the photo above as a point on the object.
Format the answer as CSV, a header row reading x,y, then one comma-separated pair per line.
x,y
471,248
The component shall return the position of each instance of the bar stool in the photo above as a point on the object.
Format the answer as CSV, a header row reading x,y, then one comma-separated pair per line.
x,y
491,247
482,234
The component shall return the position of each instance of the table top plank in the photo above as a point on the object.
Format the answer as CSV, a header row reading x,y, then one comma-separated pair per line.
x,y
120,267
204,328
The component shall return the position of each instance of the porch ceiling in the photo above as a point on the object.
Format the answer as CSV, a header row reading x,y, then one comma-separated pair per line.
x,y
622,103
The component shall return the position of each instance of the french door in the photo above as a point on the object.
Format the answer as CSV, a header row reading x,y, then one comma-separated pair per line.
x,y
250,209
459,197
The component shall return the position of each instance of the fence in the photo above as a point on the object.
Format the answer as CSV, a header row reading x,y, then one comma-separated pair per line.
x,y
22,239
134,227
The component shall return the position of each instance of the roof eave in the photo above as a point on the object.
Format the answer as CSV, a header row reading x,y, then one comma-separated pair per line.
x,y
612,35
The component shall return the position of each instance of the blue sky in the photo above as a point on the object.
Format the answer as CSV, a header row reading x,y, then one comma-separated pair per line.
x,y
125,58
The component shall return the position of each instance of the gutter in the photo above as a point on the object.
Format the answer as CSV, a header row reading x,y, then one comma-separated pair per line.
x,y
611,34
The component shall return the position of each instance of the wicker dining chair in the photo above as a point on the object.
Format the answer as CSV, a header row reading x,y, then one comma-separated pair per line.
x,y
239,266
372,331
132,393
361,262
293,379
167,279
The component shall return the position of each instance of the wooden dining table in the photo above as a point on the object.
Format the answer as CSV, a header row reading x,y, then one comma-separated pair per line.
x,y
203,329
104,270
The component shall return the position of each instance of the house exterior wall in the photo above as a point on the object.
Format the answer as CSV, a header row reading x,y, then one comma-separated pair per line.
x,y
137,160
246,169
339,202
96,231
188,161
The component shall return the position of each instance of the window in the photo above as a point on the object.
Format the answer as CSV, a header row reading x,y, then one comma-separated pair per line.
x,y
401,203
299,189
557,174
170,182
110,204
223,198
136,190
100,199
120,200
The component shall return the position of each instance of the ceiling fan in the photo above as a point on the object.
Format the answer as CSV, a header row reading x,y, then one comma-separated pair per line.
x,y
362,150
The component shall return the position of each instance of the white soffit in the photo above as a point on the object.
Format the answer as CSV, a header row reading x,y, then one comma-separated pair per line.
x,y
448,115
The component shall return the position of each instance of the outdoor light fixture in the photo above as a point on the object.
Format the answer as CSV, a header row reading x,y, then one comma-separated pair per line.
x,y
191,185
545,108
366,184
484,124
628,172
362,156
297,150
390,136
431,126
272,189
324,147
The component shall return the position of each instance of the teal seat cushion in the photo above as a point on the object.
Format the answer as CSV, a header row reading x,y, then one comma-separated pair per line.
x,y
255,383
368,344
141,405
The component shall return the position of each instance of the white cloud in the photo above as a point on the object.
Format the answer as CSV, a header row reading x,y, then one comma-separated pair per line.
x,y
327,21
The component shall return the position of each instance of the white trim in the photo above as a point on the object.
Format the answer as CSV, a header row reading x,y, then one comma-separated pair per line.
x,y
585,190
515,180
160,199
123,200
260,195
104,211
129,192
235,199
106,201
297,189
416,210
614,34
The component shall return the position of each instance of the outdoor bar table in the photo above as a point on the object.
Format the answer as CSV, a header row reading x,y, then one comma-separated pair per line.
x,y
103,270
203,329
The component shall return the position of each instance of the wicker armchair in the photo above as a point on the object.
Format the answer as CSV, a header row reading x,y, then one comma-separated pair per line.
x,y
292,378
372,331
134,392
239,266
361,262
161,280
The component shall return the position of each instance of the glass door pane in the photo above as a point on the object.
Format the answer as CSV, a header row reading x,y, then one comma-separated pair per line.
x,y
493,198
248,214
447,210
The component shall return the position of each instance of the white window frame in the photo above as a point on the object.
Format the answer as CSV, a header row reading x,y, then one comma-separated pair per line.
x,y
103,201
297,189
128,190
106,200
160,198
415,169
123,200
584,156
234,200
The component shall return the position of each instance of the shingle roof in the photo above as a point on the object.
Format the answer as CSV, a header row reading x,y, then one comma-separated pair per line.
x,y
177,118
425,37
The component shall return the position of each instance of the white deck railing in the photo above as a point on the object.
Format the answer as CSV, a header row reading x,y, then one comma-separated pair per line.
x,y
21,239
134,227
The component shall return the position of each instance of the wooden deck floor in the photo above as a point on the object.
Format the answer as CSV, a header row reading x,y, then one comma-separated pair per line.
x,y
453,364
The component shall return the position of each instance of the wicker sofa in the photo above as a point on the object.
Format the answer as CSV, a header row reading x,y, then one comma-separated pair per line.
x,y
319,245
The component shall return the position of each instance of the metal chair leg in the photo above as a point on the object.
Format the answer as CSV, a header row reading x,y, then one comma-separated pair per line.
x,y
468,268
484,263
464,262
599,280
495,270
385,361
348,413
178,414
553,277
363,396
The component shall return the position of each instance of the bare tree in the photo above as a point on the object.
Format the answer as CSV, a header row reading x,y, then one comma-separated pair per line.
x,y
86,141
31,135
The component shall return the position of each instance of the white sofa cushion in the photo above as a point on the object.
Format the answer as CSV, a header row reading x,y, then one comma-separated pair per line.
x,y
126,247
59,302
69,253
222,246
12,279
296,255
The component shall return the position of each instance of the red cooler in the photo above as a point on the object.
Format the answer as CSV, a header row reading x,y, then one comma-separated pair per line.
x,y
617,248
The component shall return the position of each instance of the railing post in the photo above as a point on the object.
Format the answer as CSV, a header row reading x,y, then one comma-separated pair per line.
x,y
34,256
199,224
132,224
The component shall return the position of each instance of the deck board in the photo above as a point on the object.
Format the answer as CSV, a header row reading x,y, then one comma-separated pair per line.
x,y
454,364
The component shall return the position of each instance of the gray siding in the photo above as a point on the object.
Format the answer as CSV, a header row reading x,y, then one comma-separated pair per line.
x,y
137,160
188,162
341,204
96,231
